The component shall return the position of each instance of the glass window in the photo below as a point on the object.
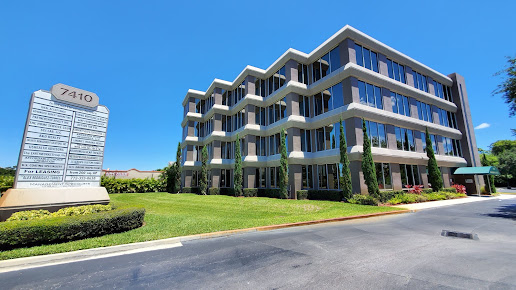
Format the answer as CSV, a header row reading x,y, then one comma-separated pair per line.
x,y
402,74
318,104
307,176
323,177
407,106
358,52
374,60
320,139
362,92
382,135
337,95
387,176
390,68
396,71
394,103
370,95
325,65
334,59
333,177
399,140
378,96
373,133
367,58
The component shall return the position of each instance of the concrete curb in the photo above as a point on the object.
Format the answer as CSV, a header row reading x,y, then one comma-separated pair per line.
x,y
111,251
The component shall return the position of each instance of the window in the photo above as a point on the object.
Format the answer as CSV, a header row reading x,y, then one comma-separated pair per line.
x,y
260,146
259,116
272,174
327,137
302,73
376,133
383,175
400,104
304,106
329,99
266,87
396,71
409,175
306,141
366,58
260,181
323,178
306,176
452,147
370,95
443,117
195,178
328,176
405,139
225,178
420,81
325,65
424,111
432,139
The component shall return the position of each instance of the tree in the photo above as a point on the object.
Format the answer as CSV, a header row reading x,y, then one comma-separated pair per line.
x,y
508,87
368,168
346,186
238,175
488,178
283,174
178,169
203,183
168,177
434,174
508,164
498,147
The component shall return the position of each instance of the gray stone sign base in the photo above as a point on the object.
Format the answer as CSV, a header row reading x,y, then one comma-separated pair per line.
x,y
52,199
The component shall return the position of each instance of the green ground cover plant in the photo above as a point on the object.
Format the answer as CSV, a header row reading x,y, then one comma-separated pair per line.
x,y
172,215
67,211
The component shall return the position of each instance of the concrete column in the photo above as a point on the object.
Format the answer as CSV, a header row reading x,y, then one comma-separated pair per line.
x,y
431,88
250,85
354,134
396,176
387,102
408,76
295,179
350,88
191,128
413,108
291,71
189,152
440,145
446,176
292,100
391,137
382,65
217,124
357,177
215,177
250,145
217,153
249,177
191,105
294,139
250,114
347,52
424,175
435,115
418,141
188,178
217,96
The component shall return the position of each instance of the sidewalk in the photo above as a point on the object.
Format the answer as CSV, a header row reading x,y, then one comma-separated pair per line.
x,y
440,203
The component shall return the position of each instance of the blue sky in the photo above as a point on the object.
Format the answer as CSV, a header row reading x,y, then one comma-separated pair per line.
x,y
141,57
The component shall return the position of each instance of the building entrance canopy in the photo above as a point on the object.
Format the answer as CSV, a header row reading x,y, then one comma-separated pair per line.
x,y
483,170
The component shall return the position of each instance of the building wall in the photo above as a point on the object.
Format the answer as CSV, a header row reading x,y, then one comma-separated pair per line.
x,y
345,81
131,173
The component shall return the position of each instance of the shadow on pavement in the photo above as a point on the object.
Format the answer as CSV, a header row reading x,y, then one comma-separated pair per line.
x,y
506,211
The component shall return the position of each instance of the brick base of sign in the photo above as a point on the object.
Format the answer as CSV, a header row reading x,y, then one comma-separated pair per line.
x,y
51,199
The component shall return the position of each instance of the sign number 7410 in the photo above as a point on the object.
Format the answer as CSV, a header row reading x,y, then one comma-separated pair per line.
x,y
74,94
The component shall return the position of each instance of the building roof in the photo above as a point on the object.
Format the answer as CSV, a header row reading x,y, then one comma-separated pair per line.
x,y
483,170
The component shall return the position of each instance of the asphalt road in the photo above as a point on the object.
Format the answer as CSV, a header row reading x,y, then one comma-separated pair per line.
x,y
402,251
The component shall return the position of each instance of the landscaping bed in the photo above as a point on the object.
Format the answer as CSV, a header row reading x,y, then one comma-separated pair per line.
x,y
172,215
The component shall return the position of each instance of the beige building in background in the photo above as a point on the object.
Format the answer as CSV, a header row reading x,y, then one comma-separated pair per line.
x,y
351,76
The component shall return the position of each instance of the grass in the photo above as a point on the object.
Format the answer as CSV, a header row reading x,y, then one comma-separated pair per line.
x,y
173,215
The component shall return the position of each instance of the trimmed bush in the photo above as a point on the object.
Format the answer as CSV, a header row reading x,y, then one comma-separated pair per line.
x,y
17,234
190,190
269,192
250,192
386,195
407,198
227,191
133,185
214,191
449,189
302,194
67,211
333,195
363,200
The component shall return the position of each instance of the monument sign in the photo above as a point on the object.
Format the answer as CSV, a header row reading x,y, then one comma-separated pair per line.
x,y
62,151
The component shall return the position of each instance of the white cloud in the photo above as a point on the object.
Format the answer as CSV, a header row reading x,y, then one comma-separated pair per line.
x,y
482,126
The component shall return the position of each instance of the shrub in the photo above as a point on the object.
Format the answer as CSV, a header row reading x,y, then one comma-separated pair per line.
x,y
227,191
190,190
214,191
407,198
60,229
133,185
414,189
250,192
449,189
6,182
427,190
269,192
333,195
302,194
435,196
387,195
450,195
363,200
459,188
67,211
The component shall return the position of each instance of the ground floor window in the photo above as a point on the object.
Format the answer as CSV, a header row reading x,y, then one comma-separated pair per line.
x,y
328,176
225,178
195,178
383,175
409,175
307,177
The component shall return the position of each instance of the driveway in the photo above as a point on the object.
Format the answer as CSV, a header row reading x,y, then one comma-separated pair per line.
x,y
402,251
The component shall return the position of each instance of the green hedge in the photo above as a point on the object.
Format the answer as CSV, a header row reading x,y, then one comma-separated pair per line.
x,y
250,192
363,199
449,189
213,191
67,211
190,190
302,194
333,195
269,192
17,234
227,191
132,185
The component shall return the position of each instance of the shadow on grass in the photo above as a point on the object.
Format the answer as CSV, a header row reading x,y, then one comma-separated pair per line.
x,y
506,211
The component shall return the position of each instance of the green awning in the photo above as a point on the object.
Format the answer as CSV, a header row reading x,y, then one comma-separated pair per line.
x,y
483,170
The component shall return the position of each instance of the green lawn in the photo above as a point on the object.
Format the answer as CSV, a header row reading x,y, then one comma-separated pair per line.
x,y
173,215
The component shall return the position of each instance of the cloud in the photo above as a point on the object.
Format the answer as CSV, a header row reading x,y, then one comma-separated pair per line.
x,y
482,126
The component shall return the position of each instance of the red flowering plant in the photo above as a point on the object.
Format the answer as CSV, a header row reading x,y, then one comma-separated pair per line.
x,y
459,188
416,189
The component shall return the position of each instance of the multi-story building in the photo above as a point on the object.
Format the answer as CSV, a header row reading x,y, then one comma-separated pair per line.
x,y
350,77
